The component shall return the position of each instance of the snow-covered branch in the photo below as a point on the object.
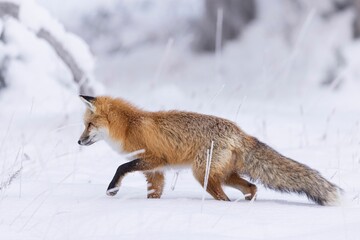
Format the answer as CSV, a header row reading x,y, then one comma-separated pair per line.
x,y
80,74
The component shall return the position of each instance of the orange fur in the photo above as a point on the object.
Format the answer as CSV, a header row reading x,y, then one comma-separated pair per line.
x,y
175,138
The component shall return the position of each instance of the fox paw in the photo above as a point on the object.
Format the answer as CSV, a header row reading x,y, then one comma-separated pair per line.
x,y
112,191
250,197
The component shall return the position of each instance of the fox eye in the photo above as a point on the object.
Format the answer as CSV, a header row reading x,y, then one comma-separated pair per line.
x,y
90,125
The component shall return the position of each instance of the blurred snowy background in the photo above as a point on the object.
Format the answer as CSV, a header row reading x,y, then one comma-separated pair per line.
x,y
286,71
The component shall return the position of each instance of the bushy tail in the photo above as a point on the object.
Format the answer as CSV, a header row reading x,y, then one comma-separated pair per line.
x,y
283,174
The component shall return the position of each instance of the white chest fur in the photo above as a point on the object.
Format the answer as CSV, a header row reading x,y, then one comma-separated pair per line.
x,y
114,144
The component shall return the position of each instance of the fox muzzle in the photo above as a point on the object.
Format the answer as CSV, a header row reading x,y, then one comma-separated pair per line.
x,y
85,141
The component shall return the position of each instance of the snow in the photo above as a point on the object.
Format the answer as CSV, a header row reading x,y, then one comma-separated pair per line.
x,y
61,192
36,17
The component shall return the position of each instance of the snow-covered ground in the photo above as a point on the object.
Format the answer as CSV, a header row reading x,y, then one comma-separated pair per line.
x,y
60,191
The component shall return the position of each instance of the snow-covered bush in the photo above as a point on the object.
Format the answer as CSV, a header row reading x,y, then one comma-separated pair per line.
x,y
43,68
33,40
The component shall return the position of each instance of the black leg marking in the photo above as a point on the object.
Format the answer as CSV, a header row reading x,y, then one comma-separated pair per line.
x,y
122,170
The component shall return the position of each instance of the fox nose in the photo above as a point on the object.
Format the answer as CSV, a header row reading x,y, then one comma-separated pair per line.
x,y
79,142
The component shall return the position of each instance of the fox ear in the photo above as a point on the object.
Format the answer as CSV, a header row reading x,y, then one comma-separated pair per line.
x,y
89,102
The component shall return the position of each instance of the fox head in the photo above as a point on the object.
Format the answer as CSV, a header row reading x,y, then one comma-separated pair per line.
x,y
96,123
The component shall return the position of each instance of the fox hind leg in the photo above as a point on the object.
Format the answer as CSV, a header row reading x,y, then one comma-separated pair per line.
x,y
156,183
213,187
247,188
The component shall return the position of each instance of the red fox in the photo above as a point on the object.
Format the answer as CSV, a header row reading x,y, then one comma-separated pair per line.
x,y
176,138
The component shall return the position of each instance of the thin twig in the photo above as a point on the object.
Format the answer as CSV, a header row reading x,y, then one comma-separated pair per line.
x,y
217,94
305,135
218,41
7,132
27,206
65,126
21,167
12,177
299,39
49,225
207,171
159,69
287,66
174,181
239,107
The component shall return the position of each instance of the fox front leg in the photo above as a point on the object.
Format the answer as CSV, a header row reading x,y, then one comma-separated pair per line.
x,y
122,170
133,166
